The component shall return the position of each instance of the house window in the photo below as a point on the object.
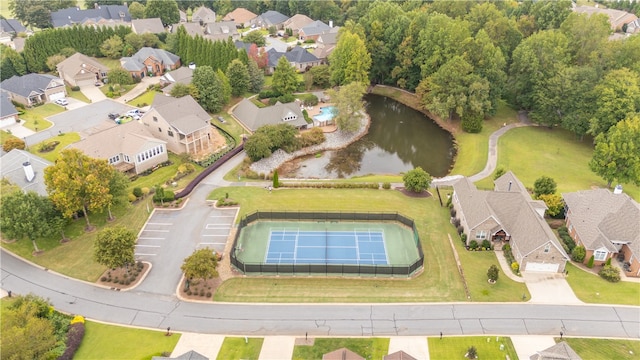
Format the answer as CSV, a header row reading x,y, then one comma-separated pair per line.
x,y
159,129
481,234
126,158
600,255
547,248
570,228
155,119
170,133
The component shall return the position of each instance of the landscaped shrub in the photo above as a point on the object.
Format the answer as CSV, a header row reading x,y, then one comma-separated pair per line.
x,y
608,262
473,244
268,93
515,267
590,262
578,253
48,146
486,244
329,185
308,99
456,222
75,88
137,192
460,230
312,137
463,237
13,143
132,197
386,185
74,339
610,273
492,273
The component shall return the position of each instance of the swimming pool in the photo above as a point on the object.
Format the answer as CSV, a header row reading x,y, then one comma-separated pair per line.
x,y
326,114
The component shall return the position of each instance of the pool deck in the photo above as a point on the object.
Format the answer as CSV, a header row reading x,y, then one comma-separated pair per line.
x,y
315,110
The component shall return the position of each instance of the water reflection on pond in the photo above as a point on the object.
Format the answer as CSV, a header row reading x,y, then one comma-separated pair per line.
x,y
399,139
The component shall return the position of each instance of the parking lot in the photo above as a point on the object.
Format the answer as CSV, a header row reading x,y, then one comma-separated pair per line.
x,y
217,228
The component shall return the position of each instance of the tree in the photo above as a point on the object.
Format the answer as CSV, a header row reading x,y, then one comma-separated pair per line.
x,y
118,185
136,10
276,182
11,63
166,10
28,215
618,95
587,34
544,185
200,265
115,247
211,89
321,76
416,180
285,79
324,10
13,143
54,60
578,253
36,12
77,182
112,47
150,40
239,73
554,203
349,106
27,333
256,76
499,172
255,37
179,90
350,61
617,153
258,146
120,76
134,40
493,273
258,55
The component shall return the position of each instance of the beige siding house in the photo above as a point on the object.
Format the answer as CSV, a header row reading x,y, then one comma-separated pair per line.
x,y
507,215
241,17
81,70
130,147
32,89
253,117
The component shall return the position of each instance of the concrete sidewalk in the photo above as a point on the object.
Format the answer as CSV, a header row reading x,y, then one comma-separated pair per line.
x,y
277,348
205,344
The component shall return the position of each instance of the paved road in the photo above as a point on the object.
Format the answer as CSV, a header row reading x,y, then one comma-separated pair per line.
x,y
160,311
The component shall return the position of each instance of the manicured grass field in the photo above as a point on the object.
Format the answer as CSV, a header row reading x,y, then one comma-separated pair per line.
x,y
64,139
236,348
456,347
110,63
162,174
535,151
145,98
369,348
102,341
4,135
604,348
34,118
439,281
75,258
78,95
591,288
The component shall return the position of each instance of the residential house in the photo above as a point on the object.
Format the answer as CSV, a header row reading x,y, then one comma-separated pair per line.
x,y
342,354
399,355
270,18
252,117
109,15
617,18
9,28
297,22
182,123
607,224
34,89
222,30
203,15
183,16
241,17
508,215
313,30
298,57
150,61
8,112
130,147
152,25
24,170
192,29
189,355
81,70
559,351
182,75
325,44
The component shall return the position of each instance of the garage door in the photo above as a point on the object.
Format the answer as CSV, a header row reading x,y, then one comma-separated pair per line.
x,y
56,96
541,267
86,82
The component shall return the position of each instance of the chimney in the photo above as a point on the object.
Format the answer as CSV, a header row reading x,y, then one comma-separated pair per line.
x,y
28,171
192,65
618,189
509,186
125,4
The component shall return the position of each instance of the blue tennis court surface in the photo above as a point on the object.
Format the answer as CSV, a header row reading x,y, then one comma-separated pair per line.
x,y
293,246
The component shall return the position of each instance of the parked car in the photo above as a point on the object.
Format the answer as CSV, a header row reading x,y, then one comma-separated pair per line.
x,y
135,113
62,102
221,119
113,116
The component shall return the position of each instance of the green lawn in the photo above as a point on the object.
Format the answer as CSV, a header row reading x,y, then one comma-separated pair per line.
x,y
591,288
160,176
438,282
4,9
123,89
5,135
78,95
535,151
236,348
110,63
369,348
102,341
34,118
145,98
604,348
75,258
456,347
64,139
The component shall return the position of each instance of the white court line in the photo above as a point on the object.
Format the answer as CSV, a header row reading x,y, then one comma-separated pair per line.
x,y
153,246
156,230
159,223
141,254
150,238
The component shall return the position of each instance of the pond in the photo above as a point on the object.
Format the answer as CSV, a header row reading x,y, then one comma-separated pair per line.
x,y
399,139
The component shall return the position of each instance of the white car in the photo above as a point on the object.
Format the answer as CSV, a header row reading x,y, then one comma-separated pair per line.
x,y
135,113
62,102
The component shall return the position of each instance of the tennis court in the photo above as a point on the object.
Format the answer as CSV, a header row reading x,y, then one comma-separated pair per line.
x,y
296,246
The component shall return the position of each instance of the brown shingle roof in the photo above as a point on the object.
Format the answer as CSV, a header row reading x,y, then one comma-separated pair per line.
x,y
342,354
184,113
240,16
399,355
78,62
559,351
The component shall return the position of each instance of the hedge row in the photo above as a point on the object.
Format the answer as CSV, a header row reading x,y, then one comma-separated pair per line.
x,y
74,339
330,185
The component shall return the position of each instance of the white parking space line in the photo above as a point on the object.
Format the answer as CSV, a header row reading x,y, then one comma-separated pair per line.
x,y
150,238
152,246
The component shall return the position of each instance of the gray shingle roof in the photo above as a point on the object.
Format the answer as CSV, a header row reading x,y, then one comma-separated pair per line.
x,y
153,25
315,28
189,355
11,26
11,167
297,55
559,351
78,62
70,16
297,21
221,30
184,113
135,62
254,117
193,29
509,182
6,107
601,217
26,84
272,17
204,14
182,75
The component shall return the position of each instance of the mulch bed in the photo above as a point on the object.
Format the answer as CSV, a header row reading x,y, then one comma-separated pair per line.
x,y
424,194
200,289
120,274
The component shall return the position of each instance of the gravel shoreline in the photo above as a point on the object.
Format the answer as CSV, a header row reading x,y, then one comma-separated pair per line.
x,y
333,141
